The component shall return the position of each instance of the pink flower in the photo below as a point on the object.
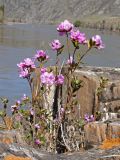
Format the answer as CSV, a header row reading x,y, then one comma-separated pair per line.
x,y
76,35
43,70
37,126
47,78
59,79
56,45
26,67
89,118
41,55
24,73
98,42
29,63
64,27
37,141
70,60
21,65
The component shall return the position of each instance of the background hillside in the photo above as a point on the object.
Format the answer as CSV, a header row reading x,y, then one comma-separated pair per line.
x,y
51,11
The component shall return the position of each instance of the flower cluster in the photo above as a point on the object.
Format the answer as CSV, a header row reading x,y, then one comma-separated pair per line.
x,y
50,79
43,70
47,78
41,55
56,45
59,79
26,67
64,27
77,36
37,142
89,118
98,42
43,118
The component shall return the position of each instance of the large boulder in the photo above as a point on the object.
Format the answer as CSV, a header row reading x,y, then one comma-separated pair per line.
x,y
87,95
97,132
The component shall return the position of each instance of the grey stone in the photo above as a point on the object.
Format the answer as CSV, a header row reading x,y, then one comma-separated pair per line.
x,y
97,132
87,95
92,154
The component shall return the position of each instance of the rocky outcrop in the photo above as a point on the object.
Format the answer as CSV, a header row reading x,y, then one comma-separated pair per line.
x,y
16,152
51,11
97,132
87,95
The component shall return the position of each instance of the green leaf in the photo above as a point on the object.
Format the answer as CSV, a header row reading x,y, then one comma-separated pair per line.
x,y
91,43
1,113
76,84
76,44
60,50
74,102
4,100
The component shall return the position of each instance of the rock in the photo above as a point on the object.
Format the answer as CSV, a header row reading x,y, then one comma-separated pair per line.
x,y
12,157
12,136
97,132
16,151
87,95
27,153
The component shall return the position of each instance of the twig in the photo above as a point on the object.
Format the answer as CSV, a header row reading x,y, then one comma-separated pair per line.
x,y
64,139
61,67
74,53
68,45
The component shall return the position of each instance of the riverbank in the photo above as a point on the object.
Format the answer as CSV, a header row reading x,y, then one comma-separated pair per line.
x,y
101,23
95,22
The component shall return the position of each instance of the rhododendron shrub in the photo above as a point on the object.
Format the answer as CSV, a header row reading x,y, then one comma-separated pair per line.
x,y
48,118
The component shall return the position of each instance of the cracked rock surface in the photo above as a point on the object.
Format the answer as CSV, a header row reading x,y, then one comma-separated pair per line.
x,y
33,154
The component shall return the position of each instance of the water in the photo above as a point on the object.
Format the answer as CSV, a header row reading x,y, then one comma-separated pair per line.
x,y
19,41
